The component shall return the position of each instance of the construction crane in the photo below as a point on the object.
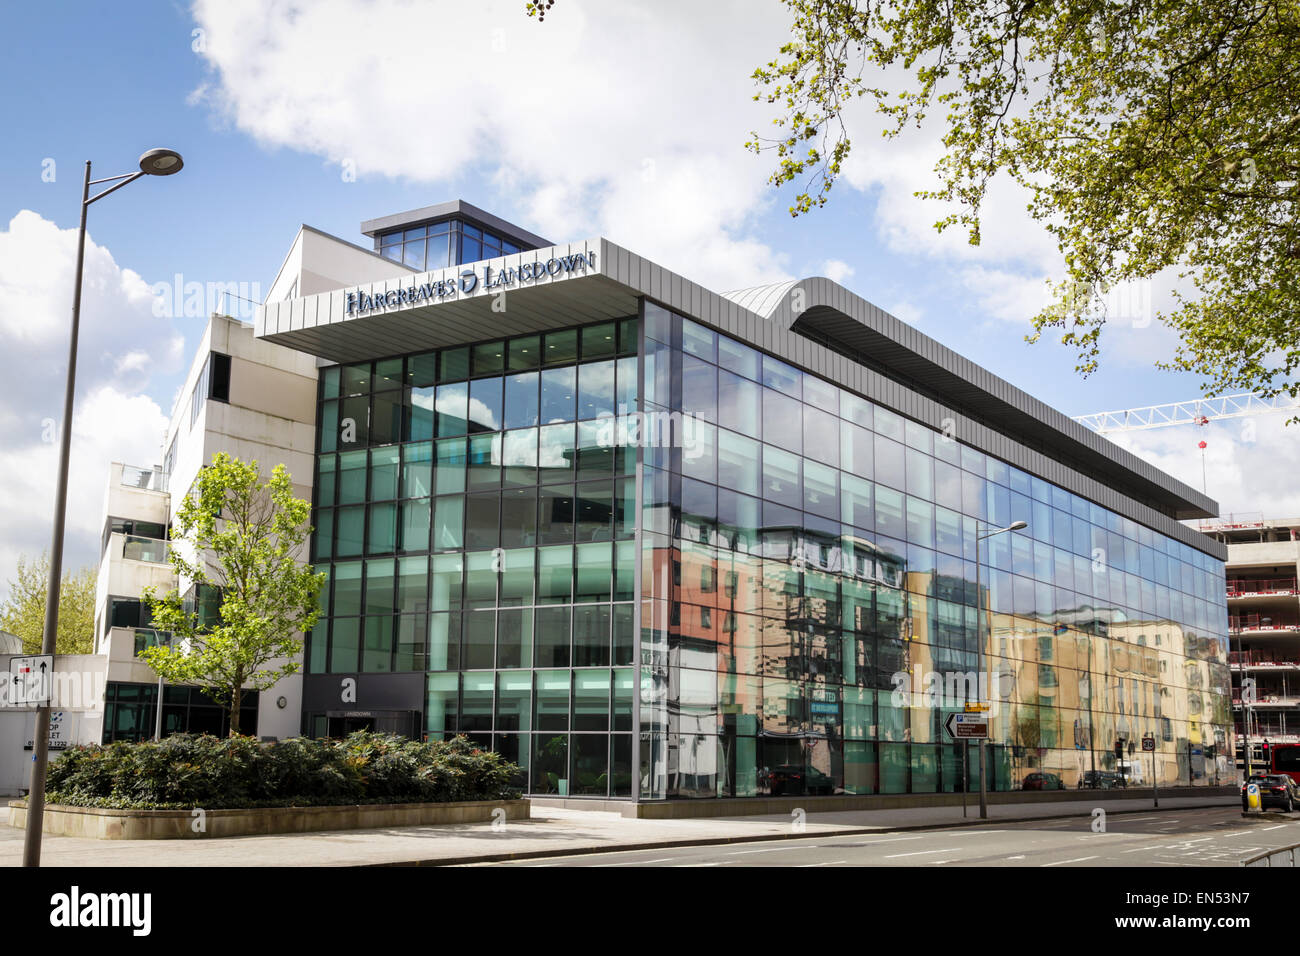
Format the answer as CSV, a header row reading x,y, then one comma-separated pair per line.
x,y
1200,411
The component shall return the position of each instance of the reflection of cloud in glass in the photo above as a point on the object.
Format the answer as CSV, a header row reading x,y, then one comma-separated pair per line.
x,y
467,409
520,449
483,416
596,387
556,449
454,403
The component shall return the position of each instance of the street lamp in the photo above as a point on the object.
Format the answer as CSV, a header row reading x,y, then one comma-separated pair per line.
x,y
156,162
980,687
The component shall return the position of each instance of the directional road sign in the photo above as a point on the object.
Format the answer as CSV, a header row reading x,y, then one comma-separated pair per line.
x,y
967,726
32,679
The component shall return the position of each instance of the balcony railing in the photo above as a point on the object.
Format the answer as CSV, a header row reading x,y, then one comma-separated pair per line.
x,y
1238,587
1265,699
136,548
1281,658
1272,726
1260,622
148,479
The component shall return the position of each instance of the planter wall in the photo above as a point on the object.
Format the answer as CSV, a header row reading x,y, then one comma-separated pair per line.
x,y
103,824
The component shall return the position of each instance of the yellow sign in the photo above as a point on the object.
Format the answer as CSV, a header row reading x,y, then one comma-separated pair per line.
x,y
976,708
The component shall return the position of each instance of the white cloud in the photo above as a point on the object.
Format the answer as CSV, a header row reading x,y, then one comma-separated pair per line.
x,y
122,345
837,270
1007,296
895,169
1008,273
626,120
108,426
1250,463
909,313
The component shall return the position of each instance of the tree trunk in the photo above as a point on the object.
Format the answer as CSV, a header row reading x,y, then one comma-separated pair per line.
x,y
236,698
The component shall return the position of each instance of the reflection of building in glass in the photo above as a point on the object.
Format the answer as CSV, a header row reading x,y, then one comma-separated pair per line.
x,y
746,605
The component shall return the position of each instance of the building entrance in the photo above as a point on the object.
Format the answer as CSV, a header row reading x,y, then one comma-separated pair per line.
x,y
340,723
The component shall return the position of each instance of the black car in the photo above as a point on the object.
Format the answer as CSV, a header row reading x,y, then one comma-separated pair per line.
x,y
1102,780
793,780
1275,790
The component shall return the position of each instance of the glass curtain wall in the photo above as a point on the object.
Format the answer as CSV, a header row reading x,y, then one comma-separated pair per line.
x,y
809,614
476,518
807,581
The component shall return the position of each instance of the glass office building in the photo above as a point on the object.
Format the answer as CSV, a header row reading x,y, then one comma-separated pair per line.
x,y
652,543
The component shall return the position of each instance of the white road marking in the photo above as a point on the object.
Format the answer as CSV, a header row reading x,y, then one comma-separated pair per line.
x,y
840,836
1278,827
662,859
827,863
894,856
1063,862
767,849
689,865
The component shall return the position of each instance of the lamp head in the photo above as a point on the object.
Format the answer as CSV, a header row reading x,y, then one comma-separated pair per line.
x,y
161,162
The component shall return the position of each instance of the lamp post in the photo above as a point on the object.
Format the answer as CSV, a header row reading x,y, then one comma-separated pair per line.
x,y
981,683
156,162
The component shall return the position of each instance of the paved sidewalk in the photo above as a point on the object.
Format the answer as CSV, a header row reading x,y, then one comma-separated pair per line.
x,y
551,832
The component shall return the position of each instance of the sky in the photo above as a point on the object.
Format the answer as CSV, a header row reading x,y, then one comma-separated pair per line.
x,y
620,120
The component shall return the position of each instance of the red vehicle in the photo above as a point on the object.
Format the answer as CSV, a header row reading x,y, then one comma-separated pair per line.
x,y
1285,758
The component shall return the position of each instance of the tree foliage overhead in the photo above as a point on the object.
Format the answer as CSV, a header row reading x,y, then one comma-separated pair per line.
x,y
245,539
1150,134
23,612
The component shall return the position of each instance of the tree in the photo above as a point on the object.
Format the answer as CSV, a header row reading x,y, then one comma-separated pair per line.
x,y
242,538
23,612
1150,135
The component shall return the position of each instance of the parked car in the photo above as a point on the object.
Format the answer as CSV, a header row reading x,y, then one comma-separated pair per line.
x,y
1043,781
792,780
1275,790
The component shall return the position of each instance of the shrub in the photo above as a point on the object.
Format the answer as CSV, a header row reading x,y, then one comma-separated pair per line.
x,y
188,770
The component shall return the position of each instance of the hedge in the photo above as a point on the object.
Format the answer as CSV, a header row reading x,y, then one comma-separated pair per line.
x,y
218,773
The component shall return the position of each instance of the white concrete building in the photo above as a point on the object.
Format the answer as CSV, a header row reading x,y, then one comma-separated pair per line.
x,y
255,401
1264,623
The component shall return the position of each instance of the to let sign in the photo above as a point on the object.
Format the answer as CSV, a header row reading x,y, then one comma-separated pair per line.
x,y
967,726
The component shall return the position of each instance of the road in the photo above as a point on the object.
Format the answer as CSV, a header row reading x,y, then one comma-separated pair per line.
x,y
1215,836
